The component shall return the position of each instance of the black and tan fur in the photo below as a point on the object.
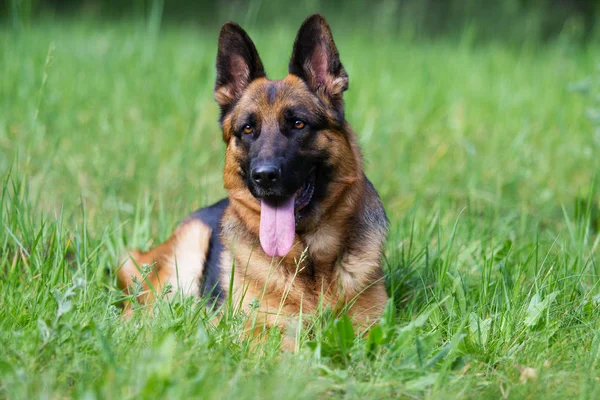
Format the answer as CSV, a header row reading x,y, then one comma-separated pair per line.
x,y
335,261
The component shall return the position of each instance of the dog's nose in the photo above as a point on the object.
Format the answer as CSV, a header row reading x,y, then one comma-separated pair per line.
x,y
266,175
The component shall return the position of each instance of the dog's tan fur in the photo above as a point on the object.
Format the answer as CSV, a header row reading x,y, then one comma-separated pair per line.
x,y
335,262
178,262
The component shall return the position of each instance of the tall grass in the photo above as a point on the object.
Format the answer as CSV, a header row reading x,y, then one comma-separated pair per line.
x,y
484,158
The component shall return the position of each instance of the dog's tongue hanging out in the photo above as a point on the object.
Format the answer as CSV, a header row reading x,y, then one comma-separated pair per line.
x,y
277,226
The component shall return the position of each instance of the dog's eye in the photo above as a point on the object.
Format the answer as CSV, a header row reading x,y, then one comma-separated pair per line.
x,y
298,124
248,129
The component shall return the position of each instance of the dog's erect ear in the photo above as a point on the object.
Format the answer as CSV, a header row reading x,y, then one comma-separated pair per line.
x,y
238,64
316,59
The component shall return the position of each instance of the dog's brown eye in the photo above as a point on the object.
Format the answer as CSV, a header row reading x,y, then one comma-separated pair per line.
x,y
299,124
248,129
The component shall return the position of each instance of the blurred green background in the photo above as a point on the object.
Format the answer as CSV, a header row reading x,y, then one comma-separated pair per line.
x,y
486,102
516,20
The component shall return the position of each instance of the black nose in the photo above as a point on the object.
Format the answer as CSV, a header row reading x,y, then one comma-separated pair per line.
x,y
266,175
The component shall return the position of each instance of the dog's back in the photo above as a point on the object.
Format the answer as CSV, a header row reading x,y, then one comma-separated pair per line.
x,y
189,261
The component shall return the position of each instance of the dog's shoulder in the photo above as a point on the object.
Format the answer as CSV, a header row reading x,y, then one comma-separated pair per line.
x,y
369,223
373,211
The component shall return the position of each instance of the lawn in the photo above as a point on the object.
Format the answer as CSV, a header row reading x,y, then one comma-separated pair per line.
x,y
486,157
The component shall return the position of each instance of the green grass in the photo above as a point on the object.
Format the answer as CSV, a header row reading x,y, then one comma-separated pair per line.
x,y
484,158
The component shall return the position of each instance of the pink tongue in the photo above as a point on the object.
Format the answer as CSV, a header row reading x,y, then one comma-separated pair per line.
x,y
277,227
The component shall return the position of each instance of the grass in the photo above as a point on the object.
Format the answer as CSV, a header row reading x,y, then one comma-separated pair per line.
x,y
484,158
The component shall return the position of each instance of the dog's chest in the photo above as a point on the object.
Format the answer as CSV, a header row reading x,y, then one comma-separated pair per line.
x,y
284,286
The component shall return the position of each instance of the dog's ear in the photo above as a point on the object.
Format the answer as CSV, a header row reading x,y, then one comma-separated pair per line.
x,y
316,60
238,64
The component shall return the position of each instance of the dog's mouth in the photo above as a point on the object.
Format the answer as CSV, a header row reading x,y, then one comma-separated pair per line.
x,y
279,215
304,195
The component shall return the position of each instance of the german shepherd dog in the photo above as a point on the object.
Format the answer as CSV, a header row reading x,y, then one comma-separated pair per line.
x,y
302,228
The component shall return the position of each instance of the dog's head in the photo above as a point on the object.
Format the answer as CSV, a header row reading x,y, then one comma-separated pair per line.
x,y
287,142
